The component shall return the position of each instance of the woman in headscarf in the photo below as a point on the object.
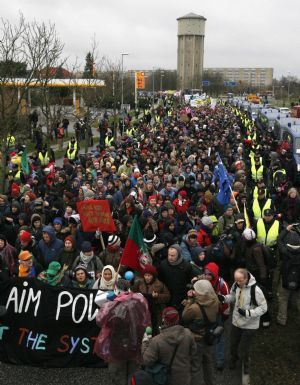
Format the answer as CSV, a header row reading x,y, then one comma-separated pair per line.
x,y
107,280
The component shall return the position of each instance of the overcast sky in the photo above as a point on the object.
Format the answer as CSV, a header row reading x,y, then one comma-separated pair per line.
x,y
239,33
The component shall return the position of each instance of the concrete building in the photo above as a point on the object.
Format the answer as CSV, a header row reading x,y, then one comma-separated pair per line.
x,y
254,77
190,51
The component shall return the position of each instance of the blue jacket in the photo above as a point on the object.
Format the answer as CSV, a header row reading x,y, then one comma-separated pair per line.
x,y
48,252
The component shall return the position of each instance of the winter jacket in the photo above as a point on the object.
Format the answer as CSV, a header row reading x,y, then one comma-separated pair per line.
x,y
93,267
187,251
175,277
161,348
48,252
241,297
255,260
156,305
192,311
204,238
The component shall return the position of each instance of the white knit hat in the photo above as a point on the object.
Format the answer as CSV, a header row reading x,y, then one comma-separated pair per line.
x,y
113,240
249,234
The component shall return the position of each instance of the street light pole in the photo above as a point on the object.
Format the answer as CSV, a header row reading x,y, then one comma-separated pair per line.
x,y
122,88
153,87
162,74
288,90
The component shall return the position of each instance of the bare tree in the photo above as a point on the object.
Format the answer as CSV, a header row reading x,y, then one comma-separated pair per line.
x,y
28,50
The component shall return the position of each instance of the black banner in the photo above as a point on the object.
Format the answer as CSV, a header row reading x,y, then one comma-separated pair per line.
x,y
48,326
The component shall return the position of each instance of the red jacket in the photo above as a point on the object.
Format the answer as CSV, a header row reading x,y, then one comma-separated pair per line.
x,y
204,239
220,287
181,208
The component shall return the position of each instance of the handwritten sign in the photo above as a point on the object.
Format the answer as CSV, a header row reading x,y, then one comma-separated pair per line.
x,y
96,215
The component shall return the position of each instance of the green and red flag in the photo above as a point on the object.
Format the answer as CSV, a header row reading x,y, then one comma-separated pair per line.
x,y
135,253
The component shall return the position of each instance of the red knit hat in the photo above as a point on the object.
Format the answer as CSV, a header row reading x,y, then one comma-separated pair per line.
x,y
15,190
25,237
170,316
71,239
182,193
150,269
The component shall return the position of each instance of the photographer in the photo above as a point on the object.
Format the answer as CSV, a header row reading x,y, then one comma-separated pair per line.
x,y
249,305
289,252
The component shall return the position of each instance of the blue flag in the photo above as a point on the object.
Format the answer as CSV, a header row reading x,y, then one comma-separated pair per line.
x,y
224,193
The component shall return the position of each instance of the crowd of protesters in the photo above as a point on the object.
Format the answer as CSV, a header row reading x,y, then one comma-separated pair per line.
x,y
206,253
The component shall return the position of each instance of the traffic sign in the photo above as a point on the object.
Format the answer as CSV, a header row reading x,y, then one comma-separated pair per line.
x,y
205,83
140,80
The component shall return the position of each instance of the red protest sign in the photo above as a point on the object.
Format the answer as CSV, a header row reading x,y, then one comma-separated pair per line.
x,y
96,215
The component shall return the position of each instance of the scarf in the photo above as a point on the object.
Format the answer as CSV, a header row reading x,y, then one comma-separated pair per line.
x,y
107,285
85,259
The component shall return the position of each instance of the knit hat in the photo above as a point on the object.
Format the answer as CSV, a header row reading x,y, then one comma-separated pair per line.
x,y
25,237
206,221
182,193
202,286
113,240
53,268
170,316
86,247
192,232
25,255
15,190
228,207
150,269
71,239
57,221
249,234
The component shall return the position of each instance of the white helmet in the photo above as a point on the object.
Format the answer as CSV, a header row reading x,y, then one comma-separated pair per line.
x,y
249,234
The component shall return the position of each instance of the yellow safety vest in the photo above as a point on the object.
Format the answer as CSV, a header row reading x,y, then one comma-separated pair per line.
x,y
253,161
18,175
108,141
147,112
70,145
257,174
44,159
269,239
169,113
130,131
258,213
157,118
71,154
10,140
255,192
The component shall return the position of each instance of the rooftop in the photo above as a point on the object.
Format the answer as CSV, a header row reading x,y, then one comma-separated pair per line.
x,y
191,15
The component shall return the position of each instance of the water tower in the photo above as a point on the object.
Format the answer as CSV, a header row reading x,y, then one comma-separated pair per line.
x,y
190,51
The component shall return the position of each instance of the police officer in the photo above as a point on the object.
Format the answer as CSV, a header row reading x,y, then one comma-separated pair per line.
x,y
257,169
260,204
109,140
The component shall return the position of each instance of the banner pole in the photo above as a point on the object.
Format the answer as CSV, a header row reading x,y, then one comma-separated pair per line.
x,y
234,199
102,241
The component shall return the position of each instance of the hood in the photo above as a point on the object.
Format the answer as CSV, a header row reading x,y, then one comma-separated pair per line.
x,y
214,269
173,335
34,217
49,230
251,281
205,294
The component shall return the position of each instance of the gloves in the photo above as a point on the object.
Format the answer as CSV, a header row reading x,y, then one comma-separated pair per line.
x,y
242,312
221,298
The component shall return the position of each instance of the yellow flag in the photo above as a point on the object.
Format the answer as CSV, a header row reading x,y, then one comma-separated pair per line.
x,y
246,217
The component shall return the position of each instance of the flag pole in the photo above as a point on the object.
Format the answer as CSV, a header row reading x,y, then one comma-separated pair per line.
x,y
234,200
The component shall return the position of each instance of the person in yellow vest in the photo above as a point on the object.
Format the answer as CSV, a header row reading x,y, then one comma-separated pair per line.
x,y
267,230
73,144
72,150
44,157
260,204
109,140
130,131
260,184
257,170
